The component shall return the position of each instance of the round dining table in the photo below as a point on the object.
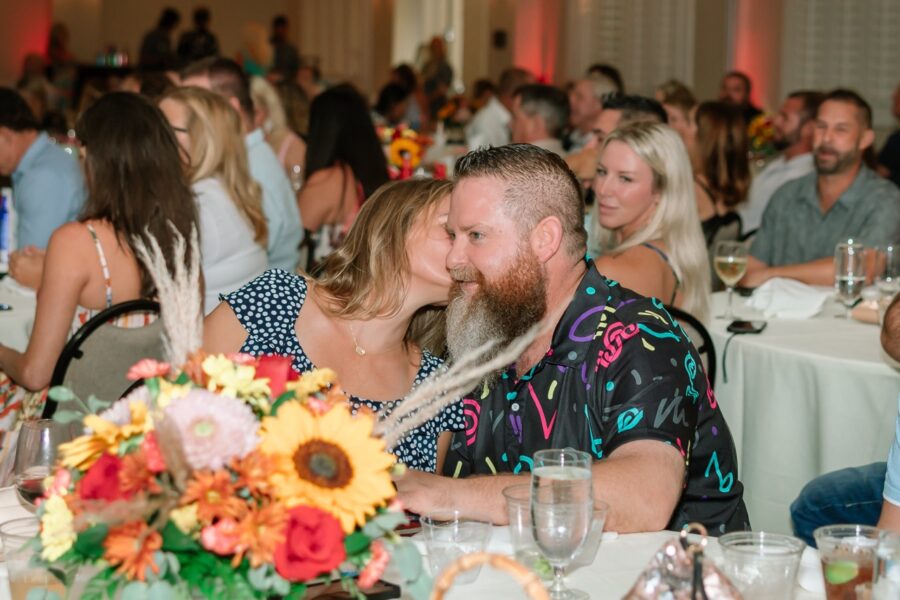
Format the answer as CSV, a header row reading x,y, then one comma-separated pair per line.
x,y
802,398
617,565
17,315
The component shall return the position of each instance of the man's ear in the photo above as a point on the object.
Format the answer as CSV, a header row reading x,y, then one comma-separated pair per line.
x,y
867,139
546,238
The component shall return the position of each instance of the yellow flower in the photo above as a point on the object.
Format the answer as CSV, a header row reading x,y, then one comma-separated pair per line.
x,y
404,145
169,391
57,529
185,518
82,452
232,379
329,461
311,382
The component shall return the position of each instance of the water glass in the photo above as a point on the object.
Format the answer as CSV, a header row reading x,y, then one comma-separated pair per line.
x,y
887,270
561,516
849,274
886,579
848,558
448,536
585,557
17,553
762,565
563,464
730,264
525,549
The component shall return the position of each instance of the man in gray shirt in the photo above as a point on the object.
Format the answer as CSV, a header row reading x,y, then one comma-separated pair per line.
x,y
842,199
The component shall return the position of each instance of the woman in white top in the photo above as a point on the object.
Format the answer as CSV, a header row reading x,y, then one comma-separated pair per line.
x,y
232,225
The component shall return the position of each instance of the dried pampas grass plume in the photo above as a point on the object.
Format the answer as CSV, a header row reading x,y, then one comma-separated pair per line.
x,y
179,296
442,390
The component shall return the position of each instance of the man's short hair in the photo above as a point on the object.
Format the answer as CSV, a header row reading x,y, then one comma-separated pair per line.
x,y
169,18
14,111
601,86
610,72
550,103
810,100
636,109
539,184
279,21
226,78
512,78
677,94
864,111
483,86
743,77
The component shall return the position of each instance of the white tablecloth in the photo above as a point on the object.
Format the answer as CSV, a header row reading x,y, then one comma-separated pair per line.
x,y
803,398
16,324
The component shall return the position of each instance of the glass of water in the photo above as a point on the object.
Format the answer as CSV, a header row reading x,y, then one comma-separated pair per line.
x,y
886,579
449,536
762,565
561,515
849,274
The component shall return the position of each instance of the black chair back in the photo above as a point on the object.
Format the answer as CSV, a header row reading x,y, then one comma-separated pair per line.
x,y
701,339
94,340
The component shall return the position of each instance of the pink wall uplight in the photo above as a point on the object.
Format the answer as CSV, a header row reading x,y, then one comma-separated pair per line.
x,y
757,48
24,28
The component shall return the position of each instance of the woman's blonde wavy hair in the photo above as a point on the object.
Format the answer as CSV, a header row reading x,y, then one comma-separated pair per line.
x,y
368,275
676,221
218,150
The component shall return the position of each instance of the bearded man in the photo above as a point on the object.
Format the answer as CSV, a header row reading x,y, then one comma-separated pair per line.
x,y
613,375
842,199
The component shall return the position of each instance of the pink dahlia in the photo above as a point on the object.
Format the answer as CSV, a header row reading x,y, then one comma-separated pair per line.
x,y
213,428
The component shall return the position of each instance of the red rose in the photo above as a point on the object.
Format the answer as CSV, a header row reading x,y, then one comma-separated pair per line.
x,y
101,482
278,370
313,545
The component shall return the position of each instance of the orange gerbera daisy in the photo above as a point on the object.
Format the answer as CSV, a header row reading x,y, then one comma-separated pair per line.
x,y
260,533
215,496
253,473
135,475
130,547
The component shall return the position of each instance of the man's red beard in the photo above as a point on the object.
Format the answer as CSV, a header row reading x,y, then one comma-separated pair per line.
x,y
502,309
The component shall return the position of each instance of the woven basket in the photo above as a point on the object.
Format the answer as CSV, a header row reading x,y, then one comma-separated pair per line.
x,y
529,581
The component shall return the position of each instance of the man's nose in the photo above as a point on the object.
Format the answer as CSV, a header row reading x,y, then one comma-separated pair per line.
x,y
456,257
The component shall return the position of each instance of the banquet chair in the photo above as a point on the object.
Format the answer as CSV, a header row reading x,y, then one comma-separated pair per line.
x,y
701,339
97,358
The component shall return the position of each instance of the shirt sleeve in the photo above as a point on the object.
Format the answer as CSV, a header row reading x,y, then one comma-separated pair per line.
x,y
762,246
892,478
652,385
35,196
883,226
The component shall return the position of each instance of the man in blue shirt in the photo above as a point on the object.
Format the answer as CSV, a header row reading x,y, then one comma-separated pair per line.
x,y
224,76
47,181
868,495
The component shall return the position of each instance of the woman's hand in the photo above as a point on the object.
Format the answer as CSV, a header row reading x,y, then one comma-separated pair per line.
x,y
26,266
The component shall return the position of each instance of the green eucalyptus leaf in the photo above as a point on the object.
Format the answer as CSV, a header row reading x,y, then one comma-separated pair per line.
x,y
136,590
61,394
384,523
65,417
258,578
160,590
42,594
356,543
280,585
97,405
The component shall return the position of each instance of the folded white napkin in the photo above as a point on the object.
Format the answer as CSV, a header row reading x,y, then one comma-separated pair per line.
x,y
810,574
12,285
788,299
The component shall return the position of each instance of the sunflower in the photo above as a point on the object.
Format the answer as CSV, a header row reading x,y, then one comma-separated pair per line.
x,y
402,146
131,547
215,496
260,532
329,461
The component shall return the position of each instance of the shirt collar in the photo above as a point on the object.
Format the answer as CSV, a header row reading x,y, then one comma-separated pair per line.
x,y
254,138
851,194
34,150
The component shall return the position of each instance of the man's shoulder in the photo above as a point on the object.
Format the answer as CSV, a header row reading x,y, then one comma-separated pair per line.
x,y
878,189
53,165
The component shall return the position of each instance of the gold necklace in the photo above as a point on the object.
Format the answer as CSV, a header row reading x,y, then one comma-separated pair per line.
x,y
359,349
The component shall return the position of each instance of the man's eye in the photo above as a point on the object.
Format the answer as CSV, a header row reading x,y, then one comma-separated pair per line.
x,y
451,235
625,179
476,235
601,172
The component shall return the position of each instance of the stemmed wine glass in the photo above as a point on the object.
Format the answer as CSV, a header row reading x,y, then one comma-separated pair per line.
x,y
36,455
849,274
562,503
730,262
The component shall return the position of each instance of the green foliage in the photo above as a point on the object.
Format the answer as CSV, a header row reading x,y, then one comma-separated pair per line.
x,y
89,542
384,523
174,540
356,543
281,400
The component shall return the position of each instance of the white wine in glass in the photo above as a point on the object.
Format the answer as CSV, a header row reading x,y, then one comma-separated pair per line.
x,y
730,263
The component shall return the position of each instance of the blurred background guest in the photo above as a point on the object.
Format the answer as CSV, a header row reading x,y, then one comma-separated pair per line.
x,y
585,104
286,59
678,102
651,239
229,205
156,49
437,75
270,117
199,42
392,105
736,88
345,164
490,125
255,54
539,116
719,152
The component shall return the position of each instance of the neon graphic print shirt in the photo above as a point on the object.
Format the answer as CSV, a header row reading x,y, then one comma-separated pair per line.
x,y
619,369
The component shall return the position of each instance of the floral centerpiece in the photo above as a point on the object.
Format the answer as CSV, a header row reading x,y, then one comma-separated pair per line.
x,y
761,134
229,476
404,148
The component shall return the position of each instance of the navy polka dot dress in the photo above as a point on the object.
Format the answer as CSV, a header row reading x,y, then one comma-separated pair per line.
x,y
268,306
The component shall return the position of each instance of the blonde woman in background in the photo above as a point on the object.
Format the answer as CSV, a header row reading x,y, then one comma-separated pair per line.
x,y
233,231
270,117
652,242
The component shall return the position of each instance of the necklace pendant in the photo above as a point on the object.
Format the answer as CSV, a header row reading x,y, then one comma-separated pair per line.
x,y
360,350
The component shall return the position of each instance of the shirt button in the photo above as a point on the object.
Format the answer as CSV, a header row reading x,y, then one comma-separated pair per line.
x,y
514,407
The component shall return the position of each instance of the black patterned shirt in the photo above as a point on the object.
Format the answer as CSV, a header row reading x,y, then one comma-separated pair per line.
x,y
619,369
